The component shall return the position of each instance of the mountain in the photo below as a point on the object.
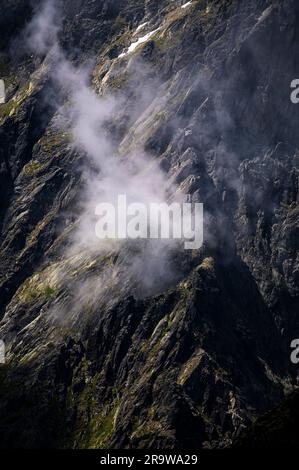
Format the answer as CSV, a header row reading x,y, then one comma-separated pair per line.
x,y
147,345
276,430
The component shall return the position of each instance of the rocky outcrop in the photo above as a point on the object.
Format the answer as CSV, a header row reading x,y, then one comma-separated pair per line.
x,y
191,359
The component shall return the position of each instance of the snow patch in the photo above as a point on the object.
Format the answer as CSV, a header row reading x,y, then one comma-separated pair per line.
x,y
141,26
137,43
265,14
186,5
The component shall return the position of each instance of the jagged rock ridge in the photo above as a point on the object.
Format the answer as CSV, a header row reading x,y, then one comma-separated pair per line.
x,y
194,362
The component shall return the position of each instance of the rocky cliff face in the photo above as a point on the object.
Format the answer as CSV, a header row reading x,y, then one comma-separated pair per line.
x,y
184,350
276,430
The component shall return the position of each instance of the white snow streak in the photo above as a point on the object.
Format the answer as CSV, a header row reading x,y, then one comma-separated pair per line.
x,y
137,43
186,5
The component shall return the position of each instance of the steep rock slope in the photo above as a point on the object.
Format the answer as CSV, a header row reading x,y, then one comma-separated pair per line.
x,y
276,430
185,360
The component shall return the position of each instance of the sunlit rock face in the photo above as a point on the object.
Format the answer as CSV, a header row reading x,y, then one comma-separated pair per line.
x,y
136,346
